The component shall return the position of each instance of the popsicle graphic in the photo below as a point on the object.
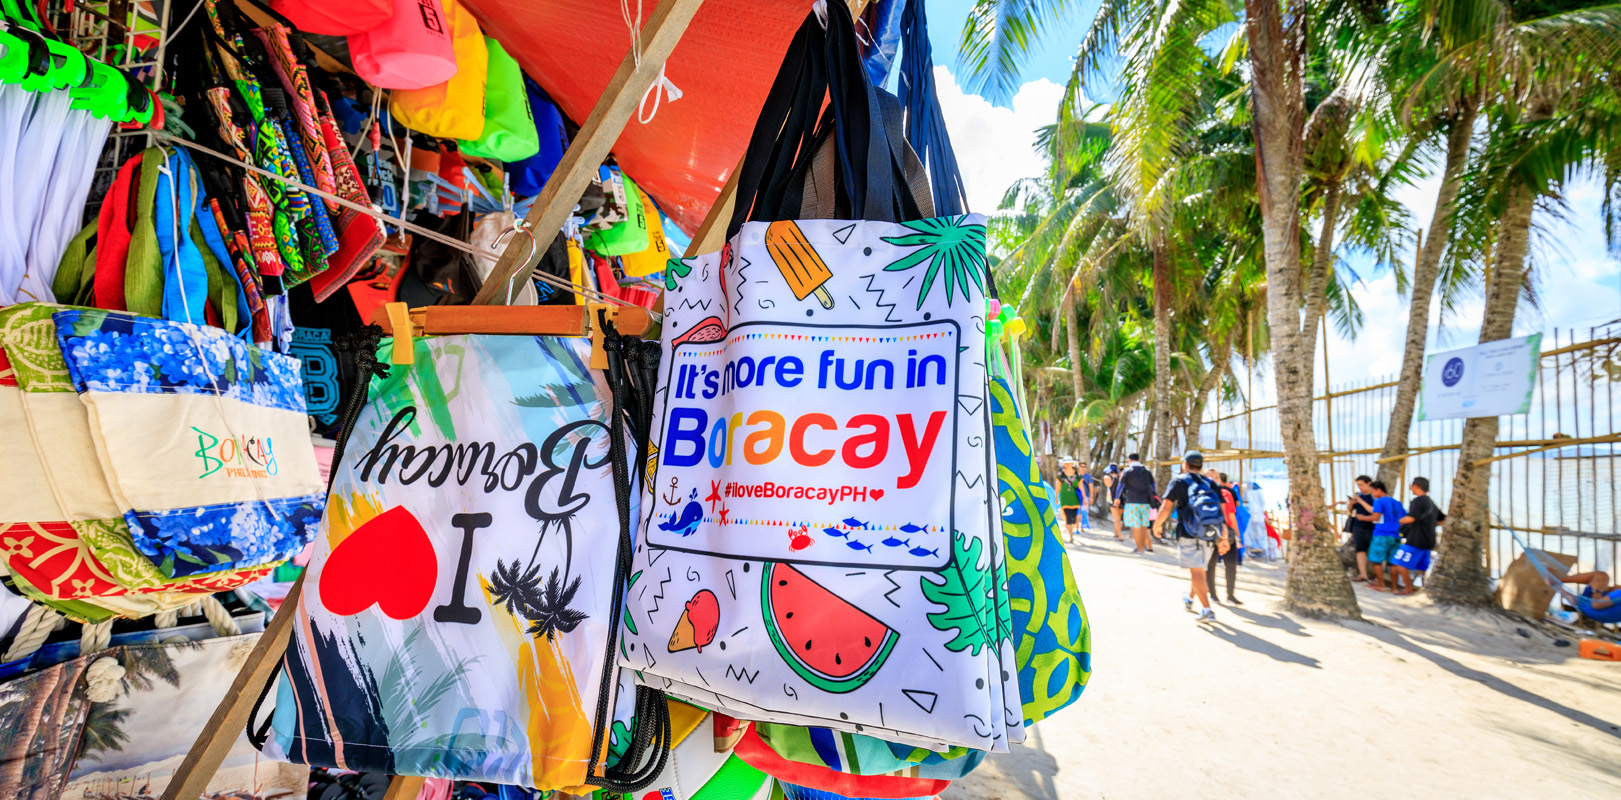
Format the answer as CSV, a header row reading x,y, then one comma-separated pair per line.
x,y
798,262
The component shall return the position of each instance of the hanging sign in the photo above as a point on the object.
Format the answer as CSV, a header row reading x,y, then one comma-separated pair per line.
x,y
1486,380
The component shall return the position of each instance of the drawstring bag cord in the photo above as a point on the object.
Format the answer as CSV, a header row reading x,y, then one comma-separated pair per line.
x,y
363,344
632,367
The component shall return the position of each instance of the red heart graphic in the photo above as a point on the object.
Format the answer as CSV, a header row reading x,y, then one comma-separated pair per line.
x,y
389,561
877,494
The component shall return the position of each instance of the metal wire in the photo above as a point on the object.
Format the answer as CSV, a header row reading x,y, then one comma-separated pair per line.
x,y
418,230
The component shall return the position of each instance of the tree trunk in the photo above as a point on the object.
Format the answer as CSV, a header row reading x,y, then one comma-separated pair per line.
x,y
20,739
1425,273
1222,355
1460,574
1146,449
1316,585
1322,271
1163,407
1077,415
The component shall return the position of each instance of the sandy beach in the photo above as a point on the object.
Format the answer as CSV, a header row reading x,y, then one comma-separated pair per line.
x,y
1415,701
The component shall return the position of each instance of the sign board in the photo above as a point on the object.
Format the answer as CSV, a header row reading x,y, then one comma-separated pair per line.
x,y
1486,380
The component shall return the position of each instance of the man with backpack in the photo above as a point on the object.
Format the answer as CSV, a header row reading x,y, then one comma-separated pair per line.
x,y
1135,489
1201,526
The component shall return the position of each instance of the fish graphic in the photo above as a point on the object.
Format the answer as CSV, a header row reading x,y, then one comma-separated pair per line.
x,y
894,542
854,523
691,515
918,551
835,532
910,528
855,545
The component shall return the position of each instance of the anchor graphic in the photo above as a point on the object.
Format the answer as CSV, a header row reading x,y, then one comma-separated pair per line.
x,y
675,493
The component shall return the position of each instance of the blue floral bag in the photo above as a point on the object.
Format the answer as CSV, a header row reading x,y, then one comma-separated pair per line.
x,y
202,438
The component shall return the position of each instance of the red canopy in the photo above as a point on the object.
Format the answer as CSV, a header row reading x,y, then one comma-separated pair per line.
x,y
724,66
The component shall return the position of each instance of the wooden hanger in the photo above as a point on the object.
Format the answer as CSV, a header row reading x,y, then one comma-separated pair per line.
x,y
509,320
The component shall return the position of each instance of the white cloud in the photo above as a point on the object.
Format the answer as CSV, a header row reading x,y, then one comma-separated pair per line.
x,y
995,146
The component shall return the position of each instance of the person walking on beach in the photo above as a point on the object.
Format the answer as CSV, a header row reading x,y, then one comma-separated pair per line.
x,y
1111,490
1070,491
1089,493
1225,551
1136,490
1361,530
1412,559
1197,502
1386,519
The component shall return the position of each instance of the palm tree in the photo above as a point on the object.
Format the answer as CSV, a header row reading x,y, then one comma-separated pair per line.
x,y
1552,112
996,39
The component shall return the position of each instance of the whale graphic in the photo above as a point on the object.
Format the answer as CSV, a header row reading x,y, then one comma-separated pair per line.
x,y
691,515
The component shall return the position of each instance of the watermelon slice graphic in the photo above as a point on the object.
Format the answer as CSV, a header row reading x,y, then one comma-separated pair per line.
x,y
833,645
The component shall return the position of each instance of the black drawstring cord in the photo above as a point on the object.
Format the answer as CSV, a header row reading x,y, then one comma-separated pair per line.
x,y
632,370
363,344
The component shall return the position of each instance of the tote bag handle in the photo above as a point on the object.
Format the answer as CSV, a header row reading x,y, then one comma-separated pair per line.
x,y
822,63
925,123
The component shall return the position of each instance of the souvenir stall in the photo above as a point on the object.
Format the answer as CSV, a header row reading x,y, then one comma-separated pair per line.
x,y
483,398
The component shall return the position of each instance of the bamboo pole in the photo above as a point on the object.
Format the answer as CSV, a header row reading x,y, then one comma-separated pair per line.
x,y
585,154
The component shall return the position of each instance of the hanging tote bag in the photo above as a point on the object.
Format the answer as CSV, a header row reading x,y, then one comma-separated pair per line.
x,y
820,531
335,19
1052,638
410,50
459,613
551,134
202,438
174,686
453,108
629,234
509,126
46,712
651,260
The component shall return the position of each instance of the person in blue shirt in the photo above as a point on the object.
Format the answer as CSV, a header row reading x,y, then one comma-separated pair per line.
x,y
1386,519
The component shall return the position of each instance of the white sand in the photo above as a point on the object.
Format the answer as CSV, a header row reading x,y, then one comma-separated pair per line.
x,y
1415,702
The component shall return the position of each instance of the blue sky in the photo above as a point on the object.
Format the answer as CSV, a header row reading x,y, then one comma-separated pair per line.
x,y
1579,284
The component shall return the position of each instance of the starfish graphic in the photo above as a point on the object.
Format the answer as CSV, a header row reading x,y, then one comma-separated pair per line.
x,y
714,495
723,512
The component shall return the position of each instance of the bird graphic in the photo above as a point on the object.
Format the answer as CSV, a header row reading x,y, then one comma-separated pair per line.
x,y
920,552
855,523
894,542
855,545
691,515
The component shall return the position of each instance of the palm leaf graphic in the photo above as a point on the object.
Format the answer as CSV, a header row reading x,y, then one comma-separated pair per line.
x,y
950,247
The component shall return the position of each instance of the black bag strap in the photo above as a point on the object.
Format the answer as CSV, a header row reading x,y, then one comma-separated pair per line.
x,y
823,63
632,378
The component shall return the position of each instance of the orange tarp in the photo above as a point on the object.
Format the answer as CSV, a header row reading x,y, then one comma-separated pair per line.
x,y
724,66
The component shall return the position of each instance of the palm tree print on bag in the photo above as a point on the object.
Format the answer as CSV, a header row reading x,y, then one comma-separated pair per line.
x,y
950,246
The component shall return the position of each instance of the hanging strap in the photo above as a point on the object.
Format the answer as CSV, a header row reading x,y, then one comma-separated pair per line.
x,y
925,123
632,376
869,166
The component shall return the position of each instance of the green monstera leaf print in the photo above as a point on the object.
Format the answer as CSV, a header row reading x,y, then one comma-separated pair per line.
x,y
951,247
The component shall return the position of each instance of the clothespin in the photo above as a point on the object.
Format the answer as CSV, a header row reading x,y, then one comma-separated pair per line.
x,y
599,359
399,318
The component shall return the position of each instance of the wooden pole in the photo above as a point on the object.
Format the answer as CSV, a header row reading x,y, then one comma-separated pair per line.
x,y
231,715
593,144
404,787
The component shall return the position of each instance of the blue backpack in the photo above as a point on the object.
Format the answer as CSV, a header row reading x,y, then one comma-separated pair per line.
x,y
1206,521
